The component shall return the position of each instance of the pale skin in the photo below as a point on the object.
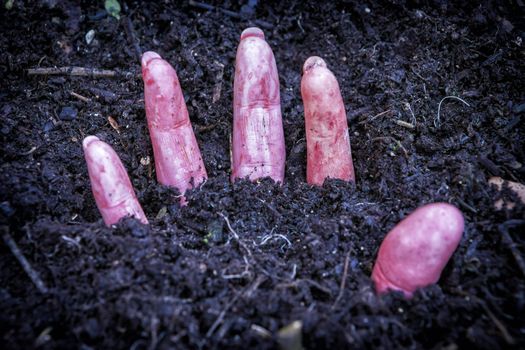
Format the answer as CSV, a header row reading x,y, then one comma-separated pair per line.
x,y
415,252
110,183
327,141
258,148
178,160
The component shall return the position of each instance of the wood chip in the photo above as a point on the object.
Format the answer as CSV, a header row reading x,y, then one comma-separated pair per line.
x,y
114,124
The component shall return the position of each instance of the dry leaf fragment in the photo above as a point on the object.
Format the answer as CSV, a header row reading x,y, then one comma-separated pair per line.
x,y
114,124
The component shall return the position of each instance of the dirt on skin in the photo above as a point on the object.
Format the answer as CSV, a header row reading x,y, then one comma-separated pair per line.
x,y
243,260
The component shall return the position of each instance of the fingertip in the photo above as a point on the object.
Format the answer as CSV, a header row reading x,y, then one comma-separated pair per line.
x,y
148,56
313,61
450,217
88,140
252,31
451,209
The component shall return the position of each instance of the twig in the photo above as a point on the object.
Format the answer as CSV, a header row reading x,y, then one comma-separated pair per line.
x,y
414,119
437,121
297,282
218,82
132,38
375,116
254,286
299,25
507,239
272,209
221,316
343,281
261,331
404,124
417,74
506,335
489,164
294,272
74,71
466,205
401,146
494,58
33,275
365,203
206,127
233,14
26,153
80,97
247,291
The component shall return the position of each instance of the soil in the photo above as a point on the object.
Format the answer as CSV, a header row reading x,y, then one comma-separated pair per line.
x,y
243,260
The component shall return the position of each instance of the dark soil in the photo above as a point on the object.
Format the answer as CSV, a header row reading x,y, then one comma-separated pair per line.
x,y
186,281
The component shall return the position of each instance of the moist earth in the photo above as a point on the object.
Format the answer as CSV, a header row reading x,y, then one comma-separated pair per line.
x,y
241,261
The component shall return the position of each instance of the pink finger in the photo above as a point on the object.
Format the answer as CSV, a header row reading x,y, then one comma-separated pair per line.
x,y
258,148
327,141
110,183
416,250
178,160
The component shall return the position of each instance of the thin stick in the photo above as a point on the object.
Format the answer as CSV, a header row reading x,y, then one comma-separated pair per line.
x,y
507,239
233,14
417,74
375,116
80,97
73,71
272,209
404,124
34,148
414,119
218,82
296,283
506,335
466,205
221,316
343,281
33,275
132,38
437,121
263,332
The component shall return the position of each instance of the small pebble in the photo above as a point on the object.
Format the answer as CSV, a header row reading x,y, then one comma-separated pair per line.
x,y
68,113
90,36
